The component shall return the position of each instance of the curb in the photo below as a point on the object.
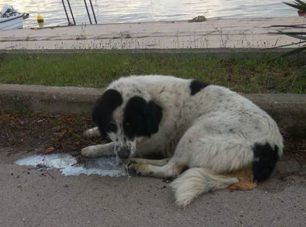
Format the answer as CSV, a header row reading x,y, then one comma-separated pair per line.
x,y
289,110
36,98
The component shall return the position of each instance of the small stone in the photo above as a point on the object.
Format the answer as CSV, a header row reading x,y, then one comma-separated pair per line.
x,y
198,19
50,149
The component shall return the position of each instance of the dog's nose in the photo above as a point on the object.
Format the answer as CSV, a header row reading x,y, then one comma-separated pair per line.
x,y
124,153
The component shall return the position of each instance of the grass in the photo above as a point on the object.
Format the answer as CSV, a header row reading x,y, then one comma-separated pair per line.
x,y
257,74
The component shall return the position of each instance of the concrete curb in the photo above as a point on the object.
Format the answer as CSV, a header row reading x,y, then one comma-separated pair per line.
x,y
206,51
36,98
289,110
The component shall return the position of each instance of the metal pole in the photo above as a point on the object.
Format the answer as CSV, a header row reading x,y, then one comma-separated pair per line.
x,y
66,12
87,12
71,12
93,12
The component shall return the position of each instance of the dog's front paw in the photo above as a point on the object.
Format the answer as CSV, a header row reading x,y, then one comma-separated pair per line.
x,y
88,133
132,168
138,169
88,152
92,132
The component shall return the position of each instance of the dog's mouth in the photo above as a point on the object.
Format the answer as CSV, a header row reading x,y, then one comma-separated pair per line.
x,y
124,151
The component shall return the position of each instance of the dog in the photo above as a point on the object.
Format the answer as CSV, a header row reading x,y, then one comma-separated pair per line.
x,y
202,131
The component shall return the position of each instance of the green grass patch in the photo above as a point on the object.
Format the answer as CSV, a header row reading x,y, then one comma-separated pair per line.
x,y
245,74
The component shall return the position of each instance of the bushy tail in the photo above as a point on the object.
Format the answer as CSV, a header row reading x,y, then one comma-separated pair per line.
x,y
196,181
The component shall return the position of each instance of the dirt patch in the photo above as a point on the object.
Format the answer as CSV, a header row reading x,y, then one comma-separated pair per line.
x,y
45,133
295,147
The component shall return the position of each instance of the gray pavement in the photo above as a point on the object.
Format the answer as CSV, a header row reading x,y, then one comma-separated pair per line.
x,y
33,197
213,33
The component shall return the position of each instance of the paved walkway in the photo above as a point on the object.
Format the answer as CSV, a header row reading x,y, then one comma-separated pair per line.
x,y
213,33
33,197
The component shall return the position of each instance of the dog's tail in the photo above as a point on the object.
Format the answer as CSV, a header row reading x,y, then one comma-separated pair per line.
x,y
196,181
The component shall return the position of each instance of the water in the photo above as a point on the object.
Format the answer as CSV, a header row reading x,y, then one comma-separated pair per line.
x,y
119,11
67,165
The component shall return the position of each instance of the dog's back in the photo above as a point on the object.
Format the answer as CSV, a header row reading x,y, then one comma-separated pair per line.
x,y
185,101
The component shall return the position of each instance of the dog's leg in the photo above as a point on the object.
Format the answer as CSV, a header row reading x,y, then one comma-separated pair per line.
x,y
159,162
166,171
92,132
98,150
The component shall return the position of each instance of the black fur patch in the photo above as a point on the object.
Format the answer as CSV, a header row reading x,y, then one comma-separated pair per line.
x,y
265,158
196,86
103,111
141,118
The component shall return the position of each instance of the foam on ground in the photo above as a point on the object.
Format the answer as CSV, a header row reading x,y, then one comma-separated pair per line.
x,y
68,166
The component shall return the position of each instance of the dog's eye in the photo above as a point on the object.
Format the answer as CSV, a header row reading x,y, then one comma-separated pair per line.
x,y
112,127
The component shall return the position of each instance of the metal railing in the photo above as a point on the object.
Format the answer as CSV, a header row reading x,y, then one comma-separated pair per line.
x,y
72,22
92,10
71,13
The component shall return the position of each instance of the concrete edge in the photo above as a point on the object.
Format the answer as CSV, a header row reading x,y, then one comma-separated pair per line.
x,y
289,110
213,51
37,98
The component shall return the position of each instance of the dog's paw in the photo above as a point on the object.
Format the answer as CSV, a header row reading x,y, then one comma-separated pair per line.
x,y
132,168
92,132
87,133
137,169
88,152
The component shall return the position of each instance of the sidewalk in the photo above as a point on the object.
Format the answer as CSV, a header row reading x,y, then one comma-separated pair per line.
x,y
213,33
36,197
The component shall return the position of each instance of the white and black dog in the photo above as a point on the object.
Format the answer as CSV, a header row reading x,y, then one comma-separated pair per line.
x,y
201,130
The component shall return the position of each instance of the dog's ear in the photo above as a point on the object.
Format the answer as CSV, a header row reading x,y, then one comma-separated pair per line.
x,y
153,116
97,115
96,110
104,107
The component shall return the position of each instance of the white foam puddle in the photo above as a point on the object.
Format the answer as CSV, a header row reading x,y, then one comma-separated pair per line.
x,y
68,166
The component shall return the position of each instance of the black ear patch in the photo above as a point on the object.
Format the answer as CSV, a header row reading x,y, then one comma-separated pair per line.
x,y
103,111
196,86
141,118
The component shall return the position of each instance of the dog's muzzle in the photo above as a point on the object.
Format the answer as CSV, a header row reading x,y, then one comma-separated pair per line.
x,y
124,153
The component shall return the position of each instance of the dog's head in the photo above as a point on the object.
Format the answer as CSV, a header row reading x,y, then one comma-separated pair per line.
x,y
126,114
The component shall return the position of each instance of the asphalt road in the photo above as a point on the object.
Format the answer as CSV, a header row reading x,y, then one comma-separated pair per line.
x,y
33,197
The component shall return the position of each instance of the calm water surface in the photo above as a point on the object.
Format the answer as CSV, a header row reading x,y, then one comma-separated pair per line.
x,y
119,11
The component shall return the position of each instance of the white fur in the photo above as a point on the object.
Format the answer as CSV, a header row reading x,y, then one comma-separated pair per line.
x,y
98,150
211,132
196,181
92,132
